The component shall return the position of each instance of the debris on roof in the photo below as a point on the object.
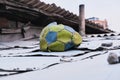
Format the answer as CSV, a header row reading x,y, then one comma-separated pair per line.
x,y
89,59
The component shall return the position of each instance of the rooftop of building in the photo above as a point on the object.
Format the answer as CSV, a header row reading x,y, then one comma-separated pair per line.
x,y
22,59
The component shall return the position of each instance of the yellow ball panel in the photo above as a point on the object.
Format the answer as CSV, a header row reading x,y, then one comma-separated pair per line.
x,y
56,46
57,28
64,36
77,39
43,44
44,32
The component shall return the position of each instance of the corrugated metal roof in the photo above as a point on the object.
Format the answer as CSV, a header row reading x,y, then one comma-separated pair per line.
x,y
51,10
59,11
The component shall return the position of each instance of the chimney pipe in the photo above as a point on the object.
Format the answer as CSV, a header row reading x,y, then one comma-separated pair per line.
x,y
82,20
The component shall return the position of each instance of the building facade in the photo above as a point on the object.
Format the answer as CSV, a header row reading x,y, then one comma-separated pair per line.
x,y
96,20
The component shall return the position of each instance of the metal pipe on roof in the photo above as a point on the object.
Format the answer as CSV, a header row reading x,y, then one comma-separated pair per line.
x,y
82,20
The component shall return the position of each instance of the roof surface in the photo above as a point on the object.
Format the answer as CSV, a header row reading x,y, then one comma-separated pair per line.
x,y
22,60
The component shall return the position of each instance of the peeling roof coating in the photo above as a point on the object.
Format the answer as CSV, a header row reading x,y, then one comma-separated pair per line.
x,y
22,59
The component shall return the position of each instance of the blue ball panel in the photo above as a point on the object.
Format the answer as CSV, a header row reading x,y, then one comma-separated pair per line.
x,y
69,45
69,29
51,37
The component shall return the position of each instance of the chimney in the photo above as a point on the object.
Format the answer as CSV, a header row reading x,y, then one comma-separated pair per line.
x,y
82,20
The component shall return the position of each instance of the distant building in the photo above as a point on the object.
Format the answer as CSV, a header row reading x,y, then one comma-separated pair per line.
x,y
96,20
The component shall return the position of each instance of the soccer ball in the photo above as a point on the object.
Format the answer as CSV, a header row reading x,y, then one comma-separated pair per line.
x,y
59,38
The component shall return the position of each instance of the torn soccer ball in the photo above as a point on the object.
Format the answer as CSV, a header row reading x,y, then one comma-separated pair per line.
x,y
59,37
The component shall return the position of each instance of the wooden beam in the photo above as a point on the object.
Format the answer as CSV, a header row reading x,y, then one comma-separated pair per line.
x,y
57,10
66,14
35,2
20,10
62,12
48,8
30,2
37,5
44,7
52,9
71,15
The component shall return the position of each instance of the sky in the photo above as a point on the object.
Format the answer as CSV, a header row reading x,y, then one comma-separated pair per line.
x,y
103,9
